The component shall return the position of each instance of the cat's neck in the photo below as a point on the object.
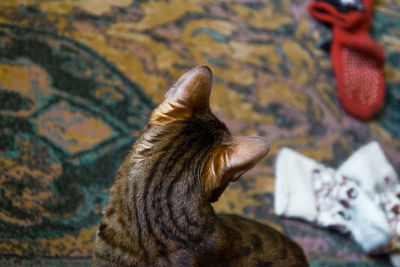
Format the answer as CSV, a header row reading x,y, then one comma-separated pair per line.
x,y
165,211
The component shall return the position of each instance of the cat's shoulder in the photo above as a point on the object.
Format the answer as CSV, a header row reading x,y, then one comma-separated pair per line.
x,y
264,242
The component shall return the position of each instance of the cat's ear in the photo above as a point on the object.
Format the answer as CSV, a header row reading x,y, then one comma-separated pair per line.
x,y
193,88
230,161
191,93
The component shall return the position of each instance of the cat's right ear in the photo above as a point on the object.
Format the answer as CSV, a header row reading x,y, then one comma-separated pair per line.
x,y
190,94
229,161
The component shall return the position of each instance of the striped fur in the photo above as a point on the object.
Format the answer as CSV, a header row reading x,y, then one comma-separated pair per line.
x,y
159,212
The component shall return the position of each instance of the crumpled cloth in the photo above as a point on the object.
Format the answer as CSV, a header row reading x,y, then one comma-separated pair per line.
x,y
360,198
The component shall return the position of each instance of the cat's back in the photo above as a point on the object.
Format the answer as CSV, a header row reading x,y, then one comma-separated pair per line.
x,y
257,244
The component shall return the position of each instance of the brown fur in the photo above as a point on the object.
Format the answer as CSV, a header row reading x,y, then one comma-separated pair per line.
x,y
159,212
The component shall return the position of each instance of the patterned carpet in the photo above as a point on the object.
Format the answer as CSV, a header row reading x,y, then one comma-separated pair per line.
x,y
78,79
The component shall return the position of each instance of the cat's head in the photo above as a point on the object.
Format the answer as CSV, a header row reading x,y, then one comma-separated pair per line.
x,y
184,125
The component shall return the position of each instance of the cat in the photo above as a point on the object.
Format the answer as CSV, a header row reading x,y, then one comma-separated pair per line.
x,y
159,211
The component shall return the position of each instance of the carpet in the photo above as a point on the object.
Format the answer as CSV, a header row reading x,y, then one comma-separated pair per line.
x,y
78,80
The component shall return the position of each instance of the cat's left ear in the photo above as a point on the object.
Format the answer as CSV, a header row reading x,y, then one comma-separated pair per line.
x,y
230,161
191,93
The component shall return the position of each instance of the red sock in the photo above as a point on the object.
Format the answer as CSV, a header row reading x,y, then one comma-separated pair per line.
x,y
357,59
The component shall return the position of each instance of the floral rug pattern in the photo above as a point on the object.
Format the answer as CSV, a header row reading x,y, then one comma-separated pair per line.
x,y
78,80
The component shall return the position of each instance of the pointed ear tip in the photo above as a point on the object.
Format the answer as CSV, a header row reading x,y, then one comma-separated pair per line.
x,y
266,145
204,70
263,145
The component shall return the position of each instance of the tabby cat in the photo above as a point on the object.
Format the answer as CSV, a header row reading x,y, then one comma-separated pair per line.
x,y
159,212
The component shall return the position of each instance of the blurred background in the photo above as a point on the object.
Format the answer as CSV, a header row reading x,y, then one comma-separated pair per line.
x,y
78,79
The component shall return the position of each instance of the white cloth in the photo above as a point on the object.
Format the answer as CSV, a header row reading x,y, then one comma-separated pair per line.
x,y
294,195
308,190
369,167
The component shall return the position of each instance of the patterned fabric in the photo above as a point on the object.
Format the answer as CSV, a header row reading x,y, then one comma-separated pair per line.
x,y
388,197
344,206
334,195
79,78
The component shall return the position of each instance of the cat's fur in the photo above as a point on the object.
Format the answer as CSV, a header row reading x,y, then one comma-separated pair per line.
x,y
159,212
